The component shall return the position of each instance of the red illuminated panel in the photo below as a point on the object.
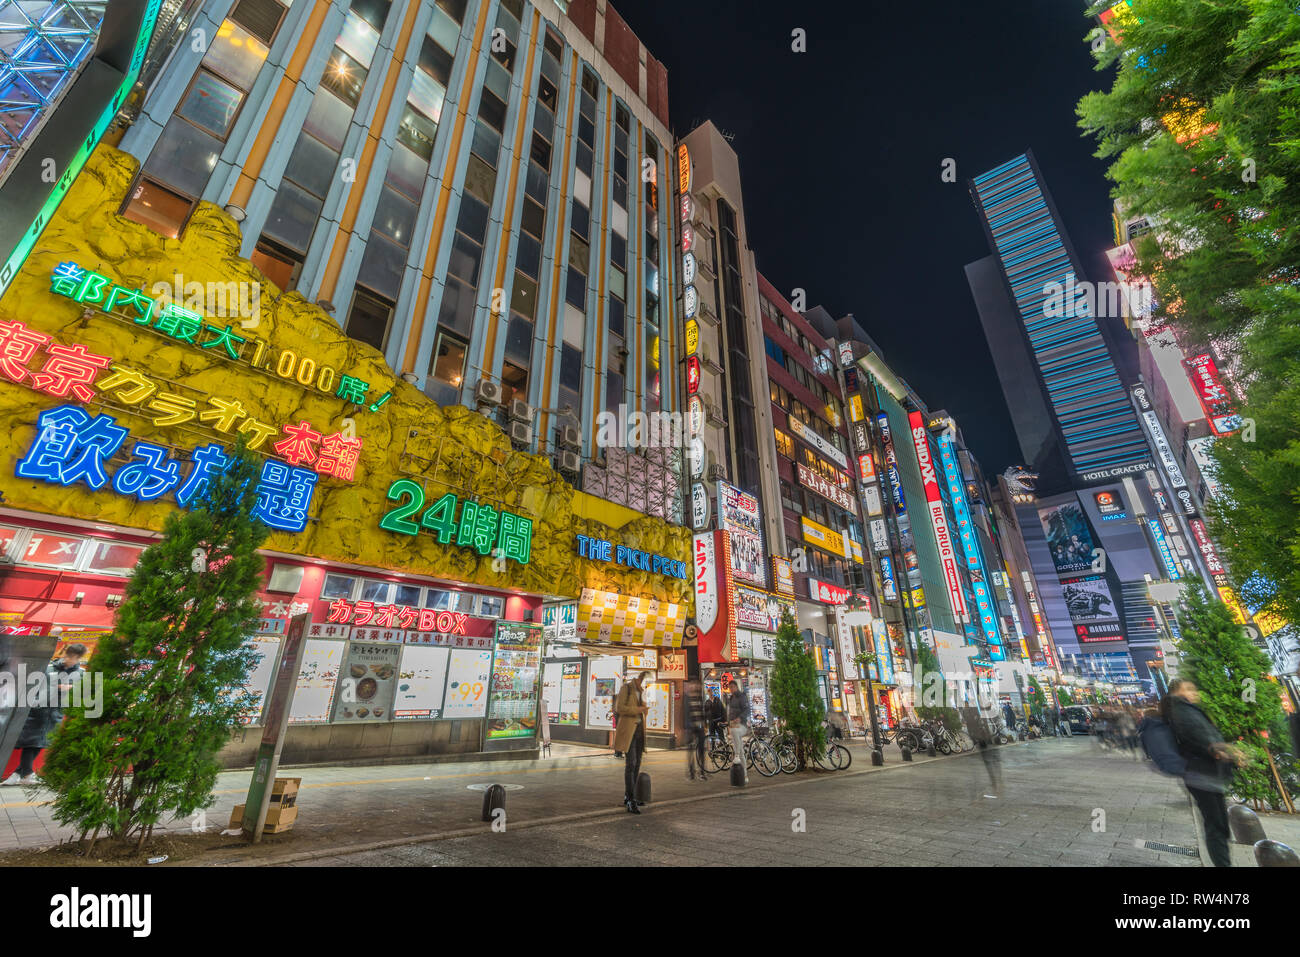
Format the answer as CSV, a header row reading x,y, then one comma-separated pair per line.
x,y
692,375
1212,393
7,535
56,551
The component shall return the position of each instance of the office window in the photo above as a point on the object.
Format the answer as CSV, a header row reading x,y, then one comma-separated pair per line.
x,y
427,95
519,340
575,291
533,218
618,250
523,298
344,77
277,263
436,61
617,314
571,369
211,104
455,9
514,383
311,165
548,94
382,265
154,205
492,110
784,444
456,311
184,156
416,132
328,120
293,216
368,319
449,359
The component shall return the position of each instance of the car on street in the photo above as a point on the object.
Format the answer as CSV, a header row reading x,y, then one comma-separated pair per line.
x,y
1080,718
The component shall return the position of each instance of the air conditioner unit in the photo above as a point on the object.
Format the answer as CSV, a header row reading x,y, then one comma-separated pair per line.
x,y
488,392
717,472
707,358
714,414
706,312
521,411
521,432
570,437
570,462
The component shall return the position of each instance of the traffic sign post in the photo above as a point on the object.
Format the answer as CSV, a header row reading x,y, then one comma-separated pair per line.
x,y
277,719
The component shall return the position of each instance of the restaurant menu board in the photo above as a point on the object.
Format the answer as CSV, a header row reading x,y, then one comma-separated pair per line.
x,y
317,678
659,699
516,670
562,691
367,683
421,681
757,692
604,676
267,652
467,682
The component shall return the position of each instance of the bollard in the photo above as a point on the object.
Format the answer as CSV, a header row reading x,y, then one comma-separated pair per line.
x,y
493,798
1246,828
1275,854
907,753
877,757
737,775
643,788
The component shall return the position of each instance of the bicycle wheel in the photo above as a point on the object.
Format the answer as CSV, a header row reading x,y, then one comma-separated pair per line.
x,y
942,745
789,759
765,759
719,757
841,758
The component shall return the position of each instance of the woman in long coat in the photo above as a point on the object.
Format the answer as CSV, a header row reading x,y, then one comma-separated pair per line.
x,y
629,737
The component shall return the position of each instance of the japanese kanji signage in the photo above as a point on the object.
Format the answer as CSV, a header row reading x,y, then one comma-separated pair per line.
x,y
179,324
488,531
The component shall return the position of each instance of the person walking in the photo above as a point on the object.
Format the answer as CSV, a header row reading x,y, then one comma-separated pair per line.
x,y
695,729
630,736
738,723
981,733
1210,761
41,721
716,713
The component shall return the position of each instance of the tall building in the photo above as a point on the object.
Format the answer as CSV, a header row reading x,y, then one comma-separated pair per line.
x,y
1067,370
421,256
475,189
1068,402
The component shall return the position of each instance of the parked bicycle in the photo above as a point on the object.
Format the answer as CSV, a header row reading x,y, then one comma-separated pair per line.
x,y
758,754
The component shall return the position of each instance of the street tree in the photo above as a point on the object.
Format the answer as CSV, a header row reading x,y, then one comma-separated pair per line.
x,y
1232,675
796,699
173,669
1202,129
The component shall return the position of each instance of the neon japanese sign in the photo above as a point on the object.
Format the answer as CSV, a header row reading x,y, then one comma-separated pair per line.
x,y
502,534
938,518
72,448
70,371
179,324
970,545
397,616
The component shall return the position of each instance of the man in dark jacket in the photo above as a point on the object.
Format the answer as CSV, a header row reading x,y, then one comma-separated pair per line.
x,y
716,713
738,723
1209,764
35,735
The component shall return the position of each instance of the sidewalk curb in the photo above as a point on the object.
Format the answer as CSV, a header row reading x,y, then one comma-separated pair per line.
x,y
540,822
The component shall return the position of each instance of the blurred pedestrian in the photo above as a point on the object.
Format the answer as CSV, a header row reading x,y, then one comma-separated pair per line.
x,y
630,736
42,720
695,728
738,724
1210,762
716,714
982,734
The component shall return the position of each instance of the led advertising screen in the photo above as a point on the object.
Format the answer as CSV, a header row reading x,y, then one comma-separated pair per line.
x,y
1069,538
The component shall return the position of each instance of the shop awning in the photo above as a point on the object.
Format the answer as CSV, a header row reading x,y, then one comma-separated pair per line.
x,y
608,617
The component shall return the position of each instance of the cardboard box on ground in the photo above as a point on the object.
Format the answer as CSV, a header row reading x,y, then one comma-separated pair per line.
x,y
281,813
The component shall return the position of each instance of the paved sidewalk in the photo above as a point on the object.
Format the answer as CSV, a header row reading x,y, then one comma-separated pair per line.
x,y
1056,784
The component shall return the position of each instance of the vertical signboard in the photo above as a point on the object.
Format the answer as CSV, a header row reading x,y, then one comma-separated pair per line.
x,y
739,515
715,611
938,518
985,608
891,463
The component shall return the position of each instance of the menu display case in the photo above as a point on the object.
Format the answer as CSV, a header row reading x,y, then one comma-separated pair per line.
x,y
367,682
516,674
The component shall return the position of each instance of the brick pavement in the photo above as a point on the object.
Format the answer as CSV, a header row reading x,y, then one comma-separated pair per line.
x,y
932,812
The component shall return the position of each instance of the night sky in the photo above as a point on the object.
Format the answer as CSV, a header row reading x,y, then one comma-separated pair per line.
x,y
840,153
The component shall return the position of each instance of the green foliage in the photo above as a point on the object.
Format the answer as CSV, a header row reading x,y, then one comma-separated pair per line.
x,y
796,699
1231,674
1037,700
1063,696
935,688
172,670
1224,203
